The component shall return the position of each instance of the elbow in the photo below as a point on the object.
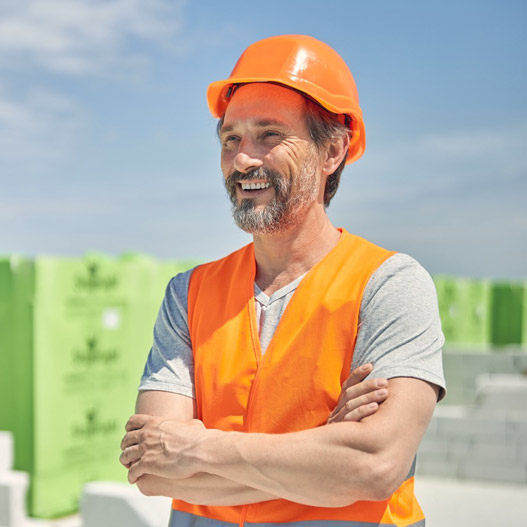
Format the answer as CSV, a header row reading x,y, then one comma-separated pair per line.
x,y
376,480
385,476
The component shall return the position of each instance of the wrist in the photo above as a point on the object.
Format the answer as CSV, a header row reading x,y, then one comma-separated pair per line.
x,y
182,448
215,451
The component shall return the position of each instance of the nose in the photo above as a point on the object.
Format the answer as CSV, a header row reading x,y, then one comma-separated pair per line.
x,y
246,158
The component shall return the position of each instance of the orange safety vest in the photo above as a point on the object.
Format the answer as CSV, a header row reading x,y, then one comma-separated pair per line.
x,y
293,386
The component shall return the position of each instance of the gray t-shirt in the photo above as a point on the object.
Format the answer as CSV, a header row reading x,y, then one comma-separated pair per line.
x,y
399,328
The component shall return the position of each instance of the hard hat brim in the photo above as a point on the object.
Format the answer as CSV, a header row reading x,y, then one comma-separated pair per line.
x,y
218,101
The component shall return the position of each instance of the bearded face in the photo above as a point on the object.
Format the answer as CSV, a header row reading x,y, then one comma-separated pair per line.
x,y
293,195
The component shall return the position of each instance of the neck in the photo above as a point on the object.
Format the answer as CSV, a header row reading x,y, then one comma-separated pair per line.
x,y
282,257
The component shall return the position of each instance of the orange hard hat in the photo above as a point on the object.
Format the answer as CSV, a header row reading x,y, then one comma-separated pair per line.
x,y
306,65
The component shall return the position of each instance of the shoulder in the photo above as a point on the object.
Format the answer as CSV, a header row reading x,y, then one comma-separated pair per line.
x,y
176,294
399,324
398,277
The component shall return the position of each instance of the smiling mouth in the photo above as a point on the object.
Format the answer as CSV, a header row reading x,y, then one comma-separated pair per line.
x,y
254,185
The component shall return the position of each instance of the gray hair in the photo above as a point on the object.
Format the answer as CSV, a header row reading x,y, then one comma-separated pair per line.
x,y
325,127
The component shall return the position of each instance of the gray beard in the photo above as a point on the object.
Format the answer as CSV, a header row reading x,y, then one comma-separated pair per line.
x,y
270,220
283,211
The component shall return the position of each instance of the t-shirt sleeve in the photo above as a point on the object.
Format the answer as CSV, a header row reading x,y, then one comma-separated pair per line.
x,y
399,325
170,363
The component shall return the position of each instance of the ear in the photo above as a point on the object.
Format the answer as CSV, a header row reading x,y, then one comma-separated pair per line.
x,y
334,154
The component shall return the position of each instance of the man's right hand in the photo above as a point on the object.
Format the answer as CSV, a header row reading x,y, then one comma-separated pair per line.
x,y
359,398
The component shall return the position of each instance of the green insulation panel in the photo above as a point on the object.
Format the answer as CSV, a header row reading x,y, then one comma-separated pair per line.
x,y
90,335
464,307
508,313
74,337
16,364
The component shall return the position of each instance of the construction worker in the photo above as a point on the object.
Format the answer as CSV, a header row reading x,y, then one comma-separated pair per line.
x,y
247,413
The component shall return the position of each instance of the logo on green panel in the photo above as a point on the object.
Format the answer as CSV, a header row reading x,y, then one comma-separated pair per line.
x,y
92,354
93,426
95,280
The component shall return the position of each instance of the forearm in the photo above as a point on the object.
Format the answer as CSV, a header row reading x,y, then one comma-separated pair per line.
x,y
315,467
202,489
328,466
332,465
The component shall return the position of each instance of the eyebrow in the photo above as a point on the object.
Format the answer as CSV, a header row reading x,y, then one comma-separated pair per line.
x,y
262,124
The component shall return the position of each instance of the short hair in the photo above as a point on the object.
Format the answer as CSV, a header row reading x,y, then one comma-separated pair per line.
x,y
323,127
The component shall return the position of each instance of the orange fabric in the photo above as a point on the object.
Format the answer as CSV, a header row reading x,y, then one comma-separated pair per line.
x,y
304,64
296,383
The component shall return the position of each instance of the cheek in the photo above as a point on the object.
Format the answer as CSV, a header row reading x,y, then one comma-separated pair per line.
x,y
296,153
226,164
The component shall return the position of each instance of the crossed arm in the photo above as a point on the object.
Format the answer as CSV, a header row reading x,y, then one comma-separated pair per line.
x,y
169,453
156,410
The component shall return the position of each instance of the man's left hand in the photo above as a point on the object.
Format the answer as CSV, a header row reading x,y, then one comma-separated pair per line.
x,y
158,446
359,398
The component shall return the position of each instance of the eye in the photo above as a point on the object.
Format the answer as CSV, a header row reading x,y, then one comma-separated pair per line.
x,y
271,134
230,139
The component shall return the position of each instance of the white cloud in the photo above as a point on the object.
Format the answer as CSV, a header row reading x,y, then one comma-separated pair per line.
x,y
82,36
78,38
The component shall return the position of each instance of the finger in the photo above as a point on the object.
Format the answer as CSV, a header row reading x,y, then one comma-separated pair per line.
x,y
130,439
130,455
357,375
353,392
364,393
135,472
136,422
361,412
371,397
350,406
355,415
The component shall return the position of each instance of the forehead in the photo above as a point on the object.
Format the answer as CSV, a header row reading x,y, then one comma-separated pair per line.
x,y
261,102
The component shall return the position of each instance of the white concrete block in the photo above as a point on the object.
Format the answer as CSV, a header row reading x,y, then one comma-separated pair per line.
x,y
457,503
473,426
521,452
517,426
493,452
457,394
520,362
431,431
34,522
436,468
6,451
13,488
433,448
68,521
109,504
502,393
458,447
502,362
493,471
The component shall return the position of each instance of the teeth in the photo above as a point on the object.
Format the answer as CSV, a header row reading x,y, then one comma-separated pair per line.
x,y
255,186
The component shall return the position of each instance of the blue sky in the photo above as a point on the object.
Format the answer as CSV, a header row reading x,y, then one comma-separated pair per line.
x,y
106,142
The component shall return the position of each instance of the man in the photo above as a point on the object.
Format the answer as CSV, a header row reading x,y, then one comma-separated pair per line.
x,y
245,415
